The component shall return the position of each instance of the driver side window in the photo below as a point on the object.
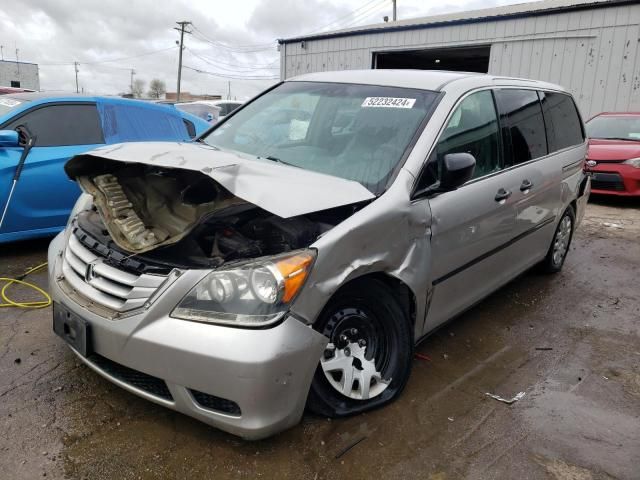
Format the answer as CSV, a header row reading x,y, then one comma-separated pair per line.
x,y
62,125
472,128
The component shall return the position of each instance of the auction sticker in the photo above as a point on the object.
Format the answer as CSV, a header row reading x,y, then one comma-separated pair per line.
x,y
388,102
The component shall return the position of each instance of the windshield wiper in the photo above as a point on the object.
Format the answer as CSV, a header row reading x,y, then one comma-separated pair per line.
x,y
277,160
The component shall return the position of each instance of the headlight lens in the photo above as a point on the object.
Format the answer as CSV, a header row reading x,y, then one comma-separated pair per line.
x,y
250,295
634,162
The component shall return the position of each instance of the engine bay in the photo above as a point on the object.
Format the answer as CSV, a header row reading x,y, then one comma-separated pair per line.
x,y
151,219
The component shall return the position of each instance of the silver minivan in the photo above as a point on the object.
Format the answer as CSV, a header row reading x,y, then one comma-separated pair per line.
x,y
296,252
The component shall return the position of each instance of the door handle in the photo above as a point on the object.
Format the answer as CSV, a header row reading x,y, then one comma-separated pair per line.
x,y
526,185
502,195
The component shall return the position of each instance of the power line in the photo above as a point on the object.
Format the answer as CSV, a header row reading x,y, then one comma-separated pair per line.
x,y
233,77
344,17
97,62
214,63
236,65
352,18
203,38
237,48
132,56
365,14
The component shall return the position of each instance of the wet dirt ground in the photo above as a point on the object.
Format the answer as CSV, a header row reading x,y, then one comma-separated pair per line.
x,y
571,342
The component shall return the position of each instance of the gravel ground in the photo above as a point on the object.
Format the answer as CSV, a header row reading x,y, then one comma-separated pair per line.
x,y
571,342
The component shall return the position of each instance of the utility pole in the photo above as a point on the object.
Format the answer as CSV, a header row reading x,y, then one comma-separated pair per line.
x,y
229,92
395,11
75,66
2,52
133,72
182,31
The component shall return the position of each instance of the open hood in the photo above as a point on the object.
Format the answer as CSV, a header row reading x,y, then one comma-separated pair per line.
x,y
280,189
153,194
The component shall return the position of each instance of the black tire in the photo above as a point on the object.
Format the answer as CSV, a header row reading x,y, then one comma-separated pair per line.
x,y
553,263
370,306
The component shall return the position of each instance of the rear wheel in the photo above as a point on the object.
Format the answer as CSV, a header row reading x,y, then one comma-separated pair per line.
x,y
559,248
368,359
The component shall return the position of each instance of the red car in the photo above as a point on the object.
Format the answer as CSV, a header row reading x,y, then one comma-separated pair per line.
x,y
7,90
614,153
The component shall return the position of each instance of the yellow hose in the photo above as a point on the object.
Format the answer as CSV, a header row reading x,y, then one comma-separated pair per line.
x,y
7,302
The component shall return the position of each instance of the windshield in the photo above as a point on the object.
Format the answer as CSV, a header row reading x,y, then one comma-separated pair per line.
x,y
618,128
356,132
206,112
7,104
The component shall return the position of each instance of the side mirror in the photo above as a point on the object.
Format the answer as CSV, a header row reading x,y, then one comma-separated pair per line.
x,y
9,138
457,169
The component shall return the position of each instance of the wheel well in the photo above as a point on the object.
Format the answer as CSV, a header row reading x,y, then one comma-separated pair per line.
x,y
398,288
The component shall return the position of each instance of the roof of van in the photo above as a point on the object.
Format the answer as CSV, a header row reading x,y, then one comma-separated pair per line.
x,y
436,80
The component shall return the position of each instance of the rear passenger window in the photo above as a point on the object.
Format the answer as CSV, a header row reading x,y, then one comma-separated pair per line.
x,y
130,122
473,128
564,128
62,125
522,125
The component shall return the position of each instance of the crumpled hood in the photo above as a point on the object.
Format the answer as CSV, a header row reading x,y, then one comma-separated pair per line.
x,y
280,189
613,150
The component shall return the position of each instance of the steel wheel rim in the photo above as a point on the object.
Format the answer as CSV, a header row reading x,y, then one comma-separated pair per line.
x,y
561,240
354,363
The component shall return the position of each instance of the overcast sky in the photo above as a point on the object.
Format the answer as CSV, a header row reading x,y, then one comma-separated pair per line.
x,y
230,39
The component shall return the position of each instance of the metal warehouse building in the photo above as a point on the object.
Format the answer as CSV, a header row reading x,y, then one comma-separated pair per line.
x,y
19,74
592,48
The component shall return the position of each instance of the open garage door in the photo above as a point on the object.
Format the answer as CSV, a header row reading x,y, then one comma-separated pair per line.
x,y
461,59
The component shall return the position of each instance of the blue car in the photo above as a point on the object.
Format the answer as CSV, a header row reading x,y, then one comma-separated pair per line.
x,y
39,132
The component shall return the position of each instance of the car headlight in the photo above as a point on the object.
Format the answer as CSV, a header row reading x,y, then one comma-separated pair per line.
x,y
634,162
83,203
253,294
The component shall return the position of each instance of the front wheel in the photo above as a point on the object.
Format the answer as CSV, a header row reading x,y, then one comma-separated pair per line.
x,y
368,359
559,248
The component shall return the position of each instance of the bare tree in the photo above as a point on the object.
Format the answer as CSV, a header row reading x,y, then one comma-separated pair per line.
x,y
157,88
138,88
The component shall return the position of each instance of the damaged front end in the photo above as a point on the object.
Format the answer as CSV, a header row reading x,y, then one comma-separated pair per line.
x,y
144,208
151,217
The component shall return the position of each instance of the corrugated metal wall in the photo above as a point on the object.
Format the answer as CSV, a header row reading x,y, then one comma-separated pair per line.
x,y
593,53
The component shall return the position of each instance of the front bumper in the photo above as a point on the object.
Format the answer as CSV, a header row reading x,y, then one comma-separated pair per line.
x,y
266,373
615,179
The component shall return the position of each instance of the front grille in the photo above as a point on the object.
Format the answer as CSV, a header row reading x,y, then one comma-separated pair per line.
x,y
607,181
218,404
103,284
147,383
